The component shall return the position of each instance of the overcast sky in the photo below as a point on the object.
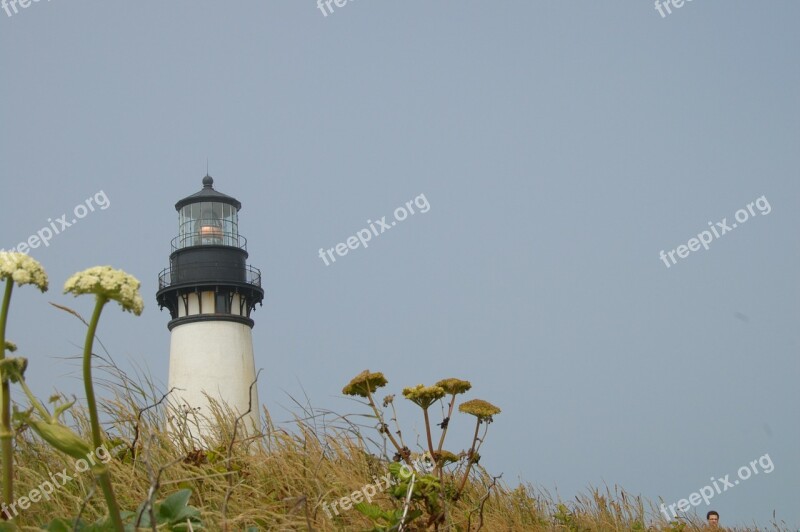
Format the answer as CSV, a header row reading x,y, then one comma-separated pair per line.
x,y
560,147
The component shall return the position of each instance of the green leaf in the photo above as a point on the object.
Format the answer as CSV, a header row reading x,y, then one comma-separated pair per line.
x,y
372,511
172,508
175,512
410,516
144,521
394,469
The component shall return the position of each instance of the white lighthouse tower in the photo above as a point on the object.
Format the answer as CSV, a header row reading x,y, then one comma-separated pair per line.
x,y
210,292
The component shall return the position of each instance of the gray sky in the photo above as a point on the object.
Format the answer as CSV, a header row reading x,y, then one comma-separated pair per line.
x,y
560,145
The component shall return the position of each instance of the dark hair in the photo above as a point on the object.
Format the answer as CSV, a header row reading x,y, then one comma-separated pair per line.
x,y
712,512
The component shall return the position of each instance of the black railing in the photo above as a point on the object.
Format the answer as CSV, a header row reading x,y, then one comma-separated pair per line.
x,y
209,273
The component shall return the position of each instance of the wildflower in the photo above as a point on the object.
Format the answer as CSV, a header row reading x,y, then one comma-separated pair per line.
x,y
423,396
454,386
109,283
22,269
479,408
474,457
446,457
423,462
365,383
61,437
105,283
483,410
13,368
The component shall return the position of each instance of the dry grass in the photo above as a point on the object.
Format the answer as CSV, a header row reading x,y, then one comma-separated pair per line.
x,y
278,480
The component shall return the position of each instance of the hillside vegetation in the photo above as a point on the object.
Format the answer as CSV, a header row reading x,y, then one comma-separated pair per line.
x,y
149,466
281,480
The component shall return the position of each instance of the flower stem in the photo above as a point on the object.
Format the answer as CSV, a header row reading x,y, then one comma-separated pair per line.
x,y
436,456
103,476
449,416
470,461
35,402
397,424
385,429
5,396
428,433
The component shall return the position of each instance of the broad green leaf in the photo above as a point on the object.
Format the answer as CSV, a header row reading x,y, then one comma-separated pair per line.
x,y
370,510
173,507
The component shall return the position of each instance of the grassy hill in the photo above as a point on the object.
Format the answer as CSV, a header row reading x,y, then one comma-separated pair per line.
x,y
303,476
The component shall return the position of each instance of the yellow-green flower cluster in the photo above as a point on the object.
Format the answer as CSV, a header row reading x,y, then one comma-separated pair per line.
x,y
22,269
446,457
479,408
105,281
423,396
13,368
365,383
10,346
454,386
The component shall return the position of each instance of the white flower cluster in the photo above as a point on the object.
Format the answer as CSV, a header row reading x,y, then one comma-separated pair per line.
x,y
22,269
107,282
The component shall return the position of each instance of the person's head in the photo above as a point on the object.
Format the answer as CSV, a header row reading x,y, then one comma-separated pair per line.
x,y
713,518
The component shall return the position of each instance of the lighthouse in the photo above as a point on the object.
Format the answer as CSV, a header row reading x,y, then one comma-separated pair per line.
x,y
210,292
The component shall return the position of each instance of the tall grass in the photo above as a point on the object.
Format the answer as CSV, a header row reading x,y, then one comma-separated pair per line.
x,y
279,479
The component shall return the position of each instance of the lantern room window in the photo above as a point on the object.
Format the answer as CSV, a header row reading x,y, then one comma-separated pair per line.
x,y
208,223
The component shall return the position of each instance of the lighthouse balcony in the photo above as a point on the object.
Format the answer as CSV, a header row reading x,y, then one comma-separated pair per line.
x,y
209,273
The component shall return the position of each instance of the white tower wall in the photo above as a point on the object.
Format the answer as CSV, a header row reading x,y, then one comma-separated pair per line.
x,y
214,358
